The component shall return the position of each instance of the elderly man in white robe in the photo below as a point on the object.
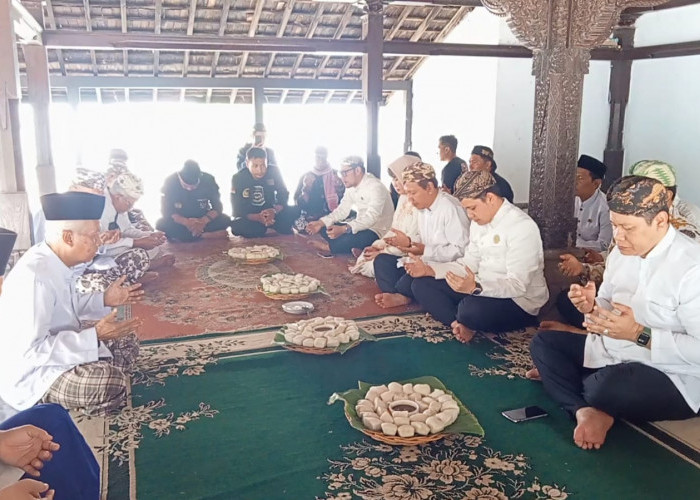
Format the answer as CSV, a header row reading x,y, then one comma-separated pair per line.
x,y
50,355
640,357
120,197
498,285
444,231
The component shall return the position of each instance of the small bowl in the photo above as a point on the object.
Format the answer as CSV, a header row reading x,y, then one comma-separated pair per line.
x,y
298,307
404,405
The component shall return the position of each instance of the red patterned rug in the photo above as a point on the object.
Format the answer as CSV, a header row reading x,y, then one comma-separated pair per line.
x,y
207,291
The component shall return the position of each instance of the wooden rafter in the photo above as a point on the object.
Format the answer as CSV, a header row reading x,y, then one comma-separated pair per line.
x,y
158,20
51,21
125,26
234,94
280,32
252,29
88,26
190,30
309,34
345,68
456,19
347,15
223,22
417,35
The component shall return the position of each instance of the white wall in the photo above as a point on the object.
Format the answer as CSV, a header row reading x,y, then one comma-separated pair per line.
x,y
456,95
662,121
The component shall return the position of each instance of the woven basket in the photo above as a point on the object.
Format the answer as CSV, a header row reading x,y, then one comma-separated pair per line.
x,y
284,296
317,350
398,440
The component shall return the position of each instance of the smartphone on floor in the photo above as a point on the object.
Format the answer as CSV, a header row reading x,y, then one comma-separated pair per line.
x,y
524,414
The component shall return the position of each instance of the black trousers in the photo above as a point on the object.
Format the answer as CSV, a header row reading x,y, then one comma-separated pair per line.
x,y
566,308
486,314
346,242
633,391
250,229
175,231
391,279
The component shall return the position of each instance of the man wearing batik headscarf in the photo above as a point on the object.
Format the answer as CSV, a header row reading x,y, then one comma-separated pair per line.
x,y
132,264
482,159
444,233
683,217
640,357
117,165
406,221
120,197
319,191
191,206
498,285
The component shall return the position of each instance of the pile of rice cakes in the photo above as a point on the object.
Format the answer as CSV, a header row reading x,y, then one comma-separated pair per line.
x,y
256,252
289,284
322,333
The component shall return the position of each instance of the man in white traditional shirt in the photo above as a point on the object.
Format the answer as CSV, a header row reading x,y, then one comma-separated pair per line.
x,y
120,197
49,355
371,201
444,233
498,285
640,357
594,231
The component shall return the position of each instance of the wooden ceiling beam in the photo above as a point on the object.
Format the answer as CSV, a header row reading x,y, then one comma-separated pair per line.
x,y
280,33
88,27
309,35
50,22
252,29
347,15
416,36
157,26
223,22
190,31
125,28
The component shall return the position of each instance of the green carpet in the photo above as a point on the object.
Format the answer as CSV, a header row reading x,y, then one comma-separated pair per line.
x,y
226,417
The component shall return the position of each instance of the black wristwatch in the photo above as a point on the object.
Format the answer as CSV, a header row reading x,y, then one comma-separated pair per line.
x,y
477,288
644,337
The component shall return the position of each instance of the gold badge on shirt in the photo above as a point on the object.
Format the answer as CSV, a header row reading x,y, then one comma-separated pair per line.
x,y
246,193
178,205
496,239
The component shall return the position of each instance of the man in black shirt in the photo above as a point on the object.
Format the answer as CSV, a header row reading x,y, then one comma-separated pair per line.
x,y
482,159
191,206
447,146
259,198
259,134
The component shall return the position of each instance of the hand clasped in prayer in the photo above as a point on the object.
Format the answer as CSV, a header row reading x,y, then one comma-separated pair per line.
x,y
416,268
27,447
583,297
617,324
108,328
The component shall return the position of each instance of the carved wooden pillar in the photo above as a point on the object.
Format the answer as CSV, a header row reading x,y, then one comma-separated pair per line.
x,y
561,34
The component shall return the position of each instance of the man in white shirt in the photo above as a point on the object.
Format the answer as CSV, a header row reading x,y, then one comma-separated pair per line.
x,y
370,199
444,232
50,356
120,197
640,357
593,230
498,285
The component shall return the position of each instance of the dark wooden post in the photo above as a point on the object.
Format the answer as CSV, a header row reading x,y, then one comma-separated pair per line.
x,y
372,69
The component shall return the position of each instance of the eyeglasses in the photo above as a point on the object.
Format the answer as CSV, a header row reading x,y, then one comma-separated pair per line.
x,y
345,172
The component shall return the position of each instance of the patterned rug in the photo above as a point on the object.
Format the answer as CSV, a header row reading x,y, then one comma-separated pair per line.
x,y
208,292
228,416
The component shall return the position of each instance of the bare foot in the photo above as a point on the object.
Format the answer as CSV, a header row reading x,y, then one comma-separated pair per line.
x,y
320,245
461,332
163,261
560,327
148,277
593,426
533,374
388,300
215,235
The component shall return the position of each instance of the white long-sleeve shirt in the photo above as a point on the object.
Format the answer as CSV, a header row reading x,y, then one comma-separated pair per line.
x,y
594,229
444,229
41,310
663,290
372,202
507,258
129,232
